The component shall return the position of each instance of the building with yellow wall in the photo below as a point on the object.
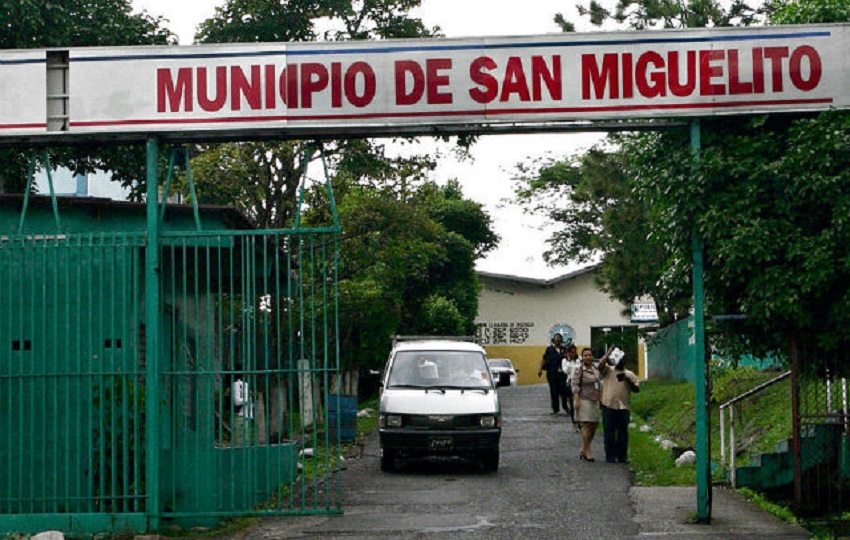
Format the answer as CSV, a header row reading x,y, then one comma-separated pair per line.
x,y
517,317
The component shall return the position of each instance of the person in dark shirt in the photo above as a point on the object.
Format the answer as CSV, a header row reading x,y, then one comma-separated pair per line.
x,y
555,376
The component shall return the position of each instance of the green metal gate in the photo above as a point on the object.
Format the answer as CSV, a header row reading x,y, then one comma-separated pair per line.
x,y
181,386
821,441
71,383
248,310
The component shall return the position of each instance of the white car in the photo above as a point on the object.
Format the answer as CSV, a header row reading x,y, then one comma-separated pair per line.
x,y
438,398
499,366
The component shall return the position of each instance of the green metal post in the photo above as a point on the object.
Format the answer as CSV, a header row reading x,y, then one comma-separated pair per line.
x,y
703,465
152,337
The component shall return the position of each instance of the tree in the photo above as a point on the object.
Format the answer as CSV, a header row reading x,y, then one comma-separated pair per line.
x,y
591,197
408,247
769,201
260,178
295,20
76,23
407,266
269,173
42,24
657,14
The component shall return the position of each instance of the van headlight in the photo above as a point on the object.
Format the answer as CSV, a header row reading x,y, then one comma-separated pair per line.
x,y
390,420
488,421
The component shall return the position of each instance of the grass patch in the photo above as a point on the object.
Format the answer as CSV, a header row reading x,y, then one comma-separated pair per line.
x,y
652,465
668,408
367,423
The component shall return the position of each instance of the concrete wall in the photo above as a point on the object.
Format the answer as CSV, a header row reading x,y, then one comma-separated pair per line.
x,y
516,316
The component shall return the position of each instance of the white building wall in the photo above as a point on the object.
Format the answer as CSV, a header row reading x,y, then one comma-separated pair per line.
x,y
515,316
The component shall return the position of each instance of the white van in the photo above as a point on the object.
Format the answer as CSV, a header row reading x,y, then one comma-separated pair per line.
x,y
439,398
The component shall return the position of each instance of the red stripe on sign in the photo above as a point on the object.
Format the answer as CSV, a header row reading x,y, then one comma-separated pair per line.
x,y
478,113
23,126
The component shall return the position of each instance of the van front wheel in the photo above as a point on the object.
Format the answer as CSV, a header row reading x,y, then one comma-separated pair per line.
x,y
387,460
491,461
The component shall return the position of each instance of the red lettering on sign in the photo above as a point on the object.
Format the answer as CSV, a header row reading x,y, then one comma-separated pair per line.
x,y
404,94
776,55
736,86
541,74
515,80
412,82
649,74
606,79
674,77
336,85
314,79
258,87
271,96
204,100
479,73
709,72
367,76
171,92
436,80
628,78
241,87
811,56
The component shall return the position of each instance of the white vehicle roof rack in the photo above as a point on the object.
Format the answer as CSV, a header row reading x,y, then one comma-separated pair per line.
x,y
398,339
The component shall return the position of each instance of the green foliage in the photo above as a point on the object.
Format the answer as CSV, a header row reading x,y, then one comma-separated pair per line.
x,y
295,20
407,266
408,247
657,14
260,178
769,199
668,407
441,317
653,466
594,200
784,513
77,23
366,424
809,11
761,422
118,455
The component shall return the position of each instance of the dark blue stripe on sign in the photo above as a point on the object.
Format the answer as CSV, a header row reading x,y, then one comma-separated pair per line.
x,y
114,58
22,61
466,47
548,44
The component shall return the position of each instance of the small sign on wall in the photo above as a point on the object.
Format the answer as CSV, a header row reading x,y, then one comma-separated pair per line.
x,y
503,333
644,312
566,331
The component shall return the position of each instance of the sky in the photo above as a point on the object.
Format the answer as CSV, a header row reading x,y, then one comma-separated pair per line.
x,y
486,177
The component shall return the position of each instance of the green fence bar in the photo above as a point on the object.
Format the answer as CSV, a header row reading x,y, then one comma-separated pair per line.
x,y
703,465
152,350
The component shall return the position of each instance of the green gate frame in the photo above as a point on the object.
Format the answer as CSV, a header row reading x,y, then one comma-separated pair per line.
x,y
159,466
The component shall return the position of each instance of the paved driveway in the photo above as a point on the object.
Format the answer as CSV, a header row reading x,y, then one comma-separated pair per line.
x,y
541,490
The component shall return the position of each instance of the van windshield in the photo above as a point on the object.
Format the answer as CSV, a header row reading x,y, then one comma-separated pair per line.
x,y
429,369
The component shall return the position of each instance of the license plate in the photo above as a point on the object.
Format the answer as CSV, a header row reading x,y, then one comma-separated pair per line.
x,y
440,443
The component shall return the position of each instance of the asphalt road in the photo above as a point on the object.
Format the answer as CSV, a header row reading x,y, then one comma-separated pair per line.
x,y
541,490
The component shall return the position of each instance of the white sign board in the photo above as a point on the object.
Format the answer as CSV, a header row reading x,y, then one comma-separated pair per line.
x,y
644,312
23,90
334,86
